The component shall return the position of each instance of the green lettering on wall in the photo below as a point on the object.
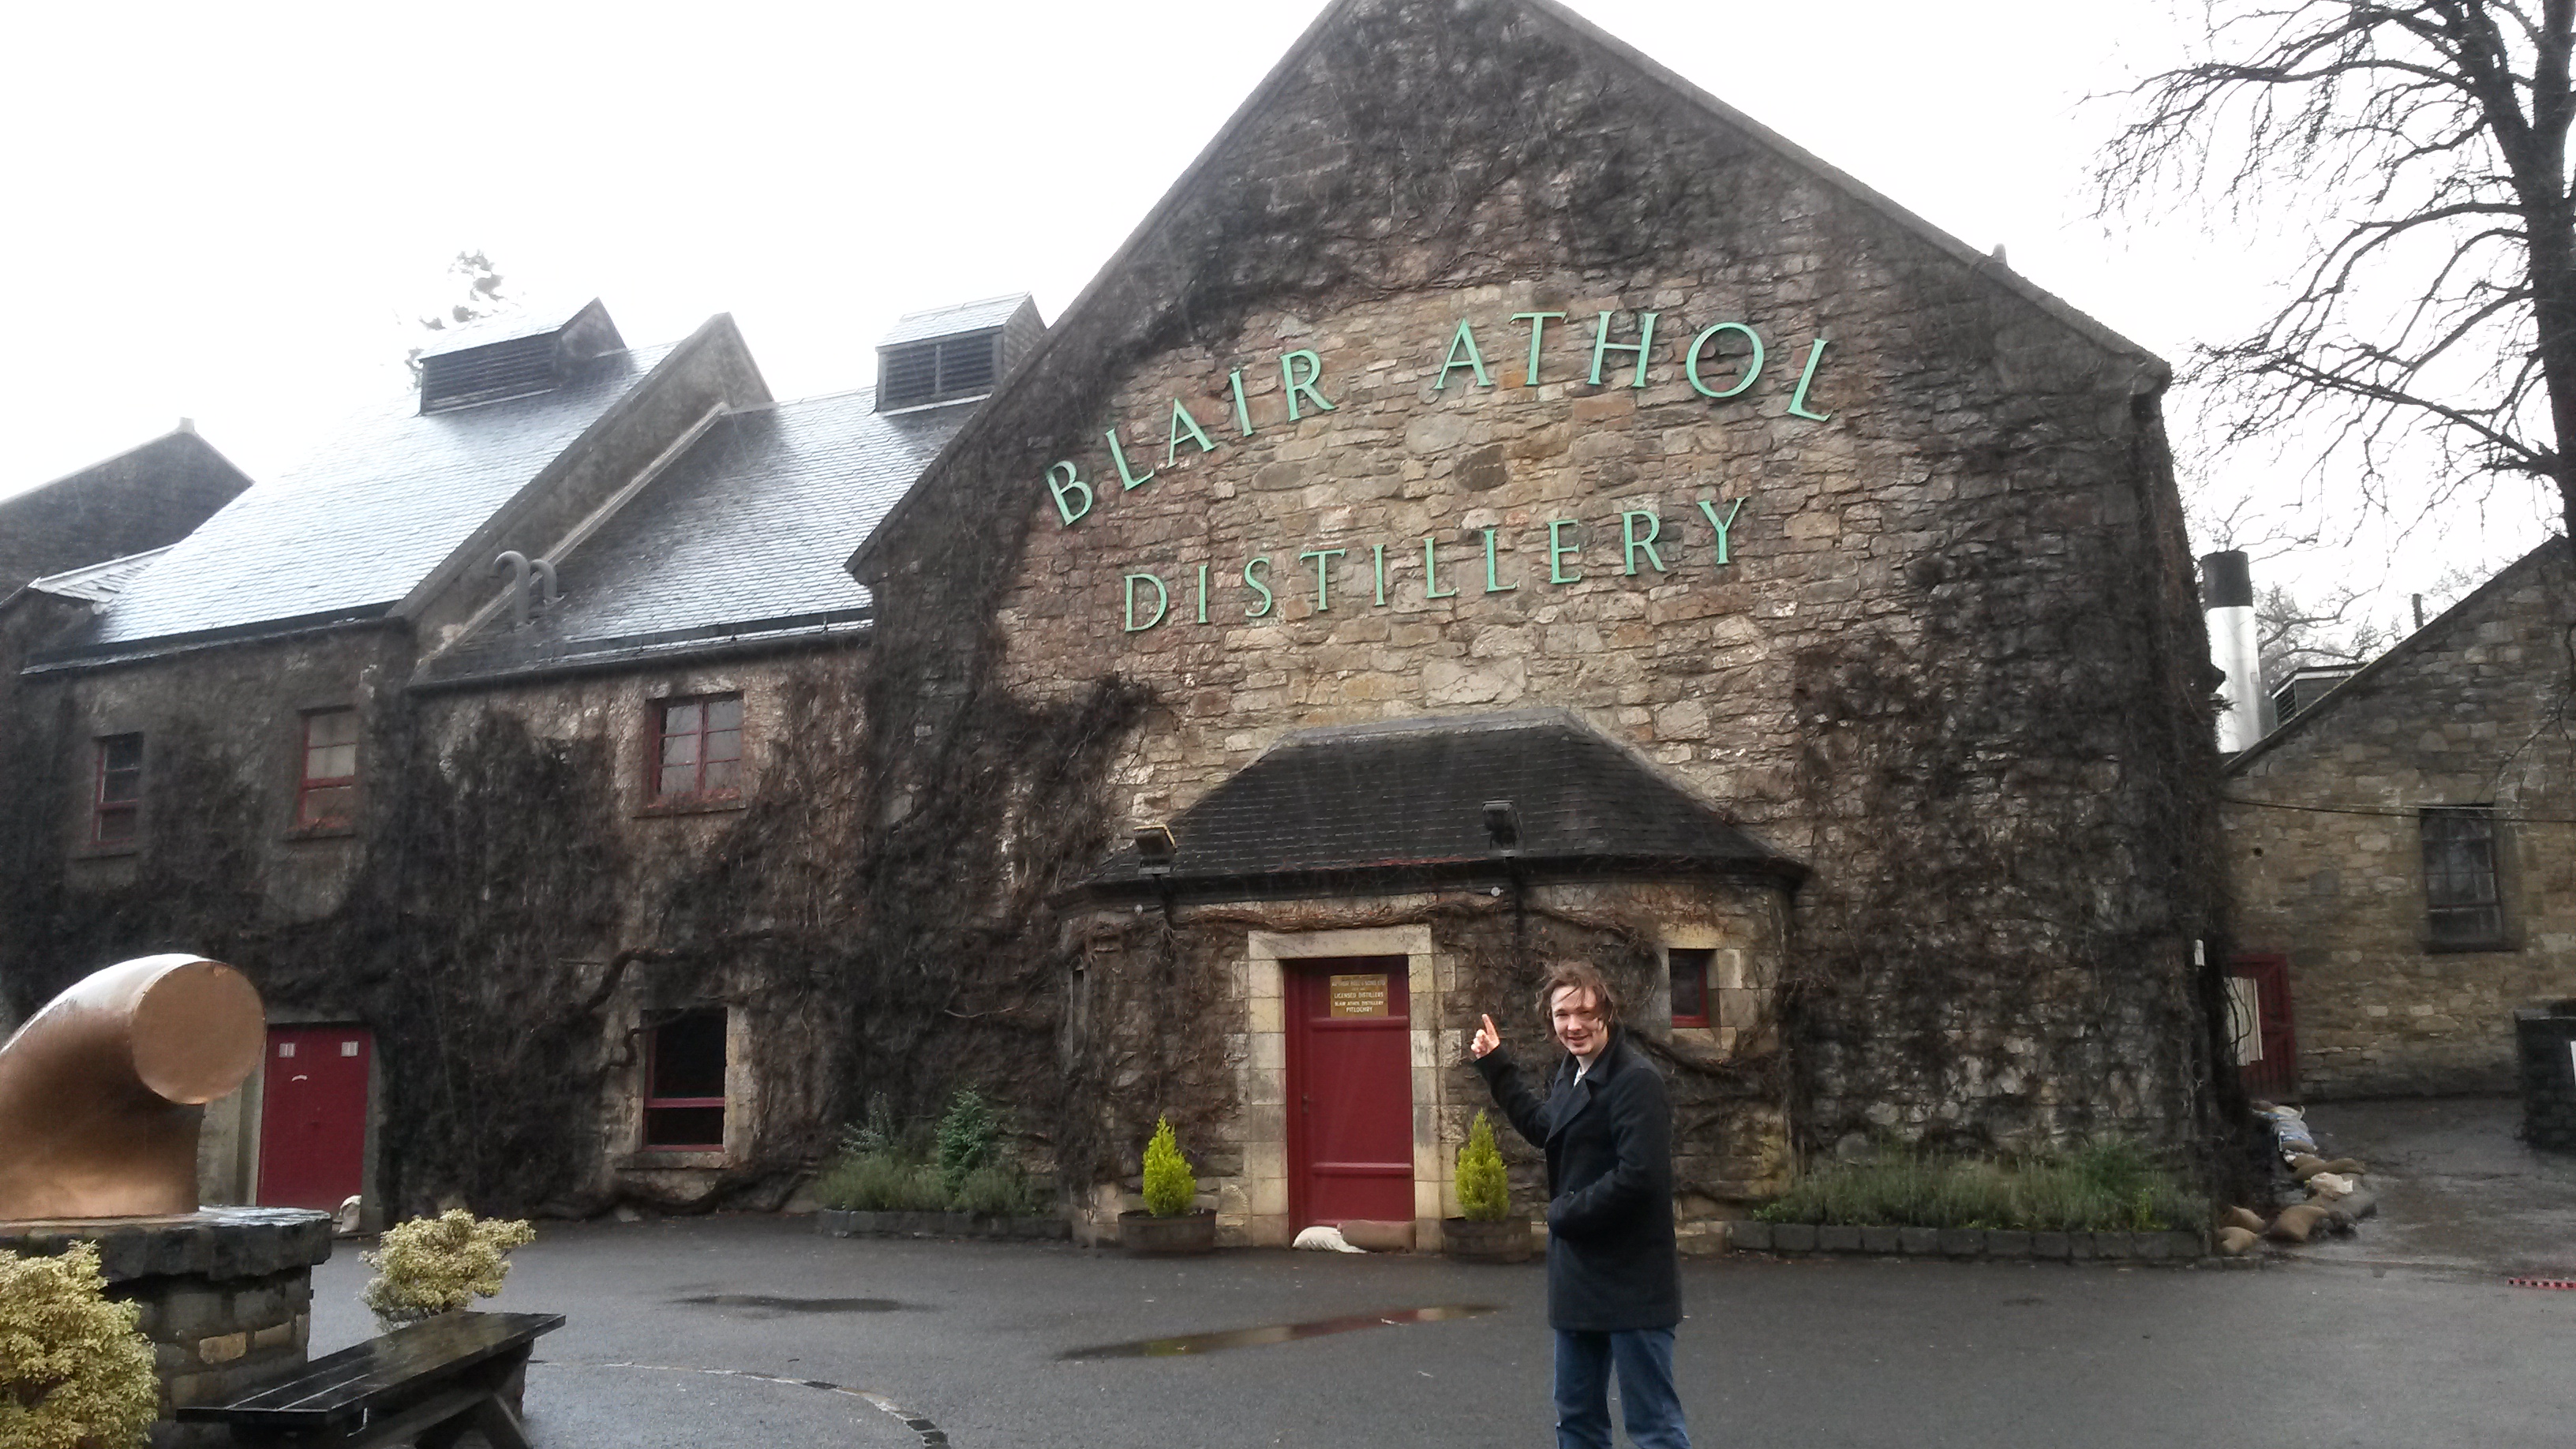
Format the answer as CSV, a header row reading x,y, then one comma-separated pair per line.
x,y
1162,602
1752,362
1635,545
1431,573
1185,426
1798,399
1493,585
1538,328
1558,551
1315,372
1242,413
1602,345
1323,575
1252,576
1463,343
1203,572
1126,475
1377,555
1721,524
1070,483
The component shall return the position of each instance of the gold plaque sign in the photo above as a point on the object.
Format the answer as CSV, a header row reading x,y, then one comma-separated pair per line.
x,y
1360,995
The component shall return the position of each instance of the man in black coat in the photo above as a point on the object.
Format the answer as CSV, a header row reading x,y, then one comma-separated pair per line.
x,y
1613,1270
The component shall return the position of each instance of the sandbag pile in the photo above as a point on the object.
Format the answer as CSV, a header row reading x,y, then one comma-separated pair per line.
x,y
2311,1192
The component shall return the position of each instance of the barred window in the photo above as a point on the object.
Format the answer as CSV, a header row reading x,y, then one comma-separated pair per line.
x,y
2462,906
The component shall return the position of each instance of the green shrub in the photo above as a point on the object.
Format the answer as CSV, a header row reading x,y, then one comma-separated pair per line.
x,y
890,1167
881,1182
1484,1193
1169,1186
968,1135
996,1190
429,1266
876,1133
73,1372
2101,1187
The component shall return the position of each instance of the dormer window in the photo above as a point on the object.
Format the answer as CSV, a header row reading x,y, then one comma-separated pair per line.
x,y
512,355
951,354
940,370
487,374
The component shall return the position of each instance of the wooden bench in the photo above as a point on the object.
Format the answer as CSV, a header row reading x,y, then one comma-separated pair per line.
x,y
425,1383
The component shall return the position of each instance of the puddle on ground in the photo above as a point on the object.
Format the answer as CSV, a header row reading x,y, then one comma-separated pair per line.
x,y
1190,1343
793,1305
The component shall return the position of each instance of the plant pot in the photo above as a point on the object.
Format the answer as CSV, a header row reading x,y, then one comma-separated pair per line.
x,y
1506,1240
1144,1233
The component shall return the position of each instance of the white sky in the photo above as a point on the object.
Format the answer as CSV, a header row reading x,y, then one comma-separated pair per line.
x,y
233,213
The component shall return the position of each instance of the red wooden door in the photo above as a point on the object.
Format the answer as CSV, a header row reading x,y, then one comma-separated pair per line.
x,y
2275,1072
1350,1090
313,1116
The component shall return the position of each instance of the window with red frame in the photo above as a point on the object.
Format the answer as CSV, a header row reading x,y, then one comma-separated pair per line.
x,y
116,801
327,794
697,749
1690,984
684,1083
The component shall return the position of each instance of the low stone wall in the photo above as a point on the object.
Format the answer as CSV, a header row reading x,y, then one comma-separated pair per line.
x,y
225,1294
838,1223
1967,1244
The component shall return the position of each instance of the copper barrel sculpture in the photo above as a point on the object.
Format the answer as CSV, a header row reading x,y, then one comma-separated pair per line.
x,y
101,1093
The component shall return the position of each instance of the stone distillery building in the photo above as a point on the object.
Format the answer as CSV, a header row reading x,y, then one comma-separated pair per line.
x,y
2400,847
1501,506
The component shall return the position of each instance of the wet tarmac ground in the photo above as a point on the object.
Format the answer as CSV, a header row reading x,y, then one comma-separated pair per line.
x,y
2458,1191
755,1331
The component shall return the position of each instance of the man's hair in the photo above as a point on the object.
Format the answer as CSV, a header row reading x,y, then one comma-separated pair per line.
x,y
1579,976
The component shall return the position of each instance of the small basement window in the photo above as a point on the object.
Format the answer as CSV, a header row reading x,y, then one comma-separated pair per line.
x,y
1689,966
684,1083
327,793
2463,908
697,749
941,369
116,797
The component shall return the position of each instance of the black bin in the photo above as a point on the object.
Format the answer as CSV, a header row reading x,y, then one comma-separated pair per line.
x,y
2546,1039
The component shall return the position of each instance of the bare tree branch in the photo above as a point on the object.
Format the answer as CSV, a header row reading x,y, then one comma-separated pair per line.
x,y
2439,304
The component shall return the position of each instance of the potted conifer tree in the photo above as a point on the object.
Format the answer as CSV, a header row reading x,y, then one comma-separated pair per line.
x,y
1170,1222
1489,1233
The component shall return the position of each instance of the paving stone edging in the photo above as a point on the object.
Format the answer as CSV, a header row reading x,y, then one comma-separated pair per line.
x,y
852,1223
2000,1244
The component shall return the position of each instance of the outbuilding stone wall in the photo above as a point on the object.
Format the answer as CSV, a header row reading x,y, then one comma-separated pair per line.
x,y
2324,843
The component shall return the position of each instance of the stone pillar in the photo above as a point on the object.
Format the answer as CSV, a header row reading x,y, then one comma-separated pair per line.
x,y
226,1293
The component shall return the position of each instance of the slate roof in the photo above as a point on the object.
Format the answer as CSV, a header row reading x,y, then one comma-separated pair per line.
x,y
742,536
99,582
2552,553
1407,799
351,531
948,321
143,498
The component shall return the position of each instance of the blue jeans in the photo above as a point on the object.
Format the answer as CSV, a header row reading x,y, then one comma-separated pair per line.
x,y
1648,1403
